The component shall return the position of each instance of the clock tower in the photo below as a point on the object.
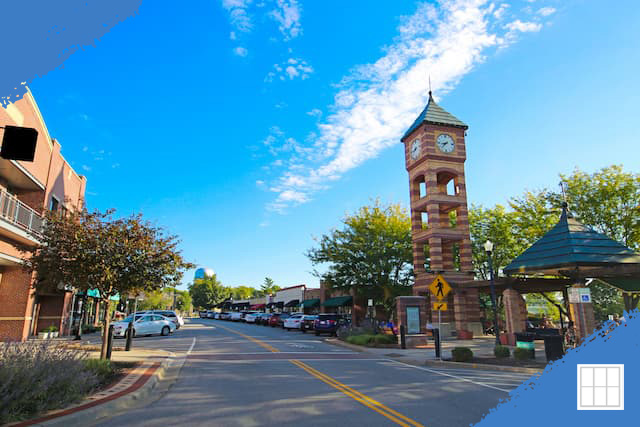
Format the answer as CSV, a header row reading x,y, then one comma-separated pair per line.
x,y
435,153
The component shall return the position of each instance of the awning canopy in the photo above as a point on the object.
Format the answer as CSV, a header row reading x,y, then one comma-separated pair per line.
x,y
257,306
309,303
94,293
275,304
293,303
338,301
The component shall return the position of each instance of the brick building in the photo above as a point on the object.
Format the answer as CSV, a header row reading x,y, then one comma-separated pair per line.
x,y
27,189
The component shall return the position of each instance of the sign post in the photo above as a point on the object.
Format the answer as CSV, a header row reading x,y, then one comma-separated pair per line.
x,y
440,289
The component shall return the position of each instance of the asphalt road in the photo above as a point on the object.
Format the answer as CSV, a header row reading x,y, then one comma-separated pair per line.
x,y
247,375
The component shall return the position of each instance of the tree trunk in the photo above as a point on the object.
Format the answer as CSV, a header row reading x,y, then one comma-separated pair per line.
x,y
105,328
631,301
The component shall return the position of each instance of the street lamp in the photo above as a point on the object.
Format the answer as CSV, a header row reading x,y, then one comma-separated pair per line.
x,y
488,247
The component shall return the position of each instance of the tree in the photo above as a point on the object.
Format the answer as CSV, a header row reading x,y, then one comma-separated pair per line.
x,y
243,292
208,292
371,255
269,287
113,256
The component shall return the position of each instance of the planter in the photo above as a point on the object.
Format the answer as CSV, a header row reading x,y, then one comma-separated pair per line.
x,y
465,335
54,334
43,335
504,339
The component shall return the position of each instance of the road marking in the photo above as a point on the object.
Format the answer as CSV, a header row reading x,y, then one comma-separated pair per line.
x,y
384,410
260,343
387,412
449,375
192,344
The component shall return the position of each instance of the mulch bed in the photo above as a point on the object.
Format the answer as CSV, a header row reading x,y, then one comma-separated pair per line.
x,y
531,363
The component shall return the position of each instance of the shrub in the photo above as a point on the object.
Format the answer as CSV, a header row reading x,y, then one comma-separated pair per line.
x,y
104,370
51,328
501,351
462,354
38,376
522,354
371,340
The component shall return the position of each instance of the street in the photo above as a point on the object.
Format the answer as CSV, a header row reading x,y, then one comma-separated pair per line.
x,y
240,374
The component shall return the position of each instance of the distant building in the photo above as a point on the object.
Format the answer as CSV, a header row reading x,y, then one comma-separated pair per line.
x,y
27,189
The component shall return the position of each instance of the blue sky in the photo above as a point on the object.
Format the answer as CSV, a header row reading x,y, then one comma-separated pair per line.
x,y
248,127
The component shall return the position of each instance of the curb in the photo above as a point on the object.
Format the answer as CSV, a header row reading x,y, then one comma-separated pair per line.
x,y
440,363
89,413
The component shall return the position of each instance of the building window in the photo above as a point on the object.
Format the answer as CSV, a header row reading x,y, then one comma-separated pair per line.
x,y
53,205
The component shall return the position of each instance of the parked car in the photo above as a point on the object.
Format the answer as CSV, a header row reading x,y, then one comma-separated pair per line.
x,y
307,322
211,314
235,316
293,322
202,314
216,315
277,319
252,317
225,316
171,315
328,323
264,319
145,324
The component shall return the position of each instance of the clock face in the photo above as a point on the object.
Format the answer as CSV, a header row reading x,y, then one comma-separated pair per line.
x,y
445,143
415,149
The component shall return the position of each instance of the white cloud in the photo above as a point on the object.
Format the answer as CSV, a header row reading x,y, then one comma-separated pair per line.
x,y
523,27
291,69
546,11
241,51
287,15
238,15
86,168
316,112
377,102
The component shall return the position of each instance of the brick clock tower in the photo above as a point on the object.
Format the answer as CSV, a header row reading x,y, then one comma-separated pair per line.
x,y
434,157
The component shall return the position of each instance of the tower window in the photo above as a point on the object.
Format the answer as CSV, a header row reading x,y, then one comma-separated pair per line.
x,y
424,217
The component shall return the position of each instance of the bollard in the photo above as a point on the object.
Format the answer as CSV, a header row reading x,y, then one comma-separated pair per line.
x,y
436,338
127,346
109,342
403,338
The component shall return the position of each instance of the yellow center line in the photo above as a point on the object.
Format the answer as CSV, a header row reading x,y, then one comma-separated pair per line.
x,y
365,400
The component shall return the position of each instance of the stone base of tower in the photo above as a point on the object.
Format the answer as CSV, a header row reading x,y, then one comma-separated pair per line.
x,y
463,315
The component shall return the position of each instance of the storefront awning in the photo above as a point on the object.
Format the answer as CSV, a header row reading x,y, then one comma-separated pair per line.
x,y
257,306
94,293
310,303
338,301
293,303
275,304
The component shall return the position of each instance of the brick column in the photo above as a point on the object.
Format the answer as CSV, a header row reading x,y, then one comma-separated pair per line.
x,y
515,310
467,313
583,317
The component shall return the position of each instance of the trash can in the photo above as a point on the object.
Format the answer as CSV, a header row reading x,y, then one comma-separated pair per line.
x,y
525,340
553,348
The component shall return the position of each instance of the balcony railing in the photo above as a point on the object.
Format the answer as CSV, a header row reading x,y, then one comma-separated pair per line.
x,y
19,214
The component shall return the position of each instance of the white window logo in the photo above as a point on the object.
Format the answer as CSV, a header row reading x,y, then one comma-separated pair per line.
x,y
600,387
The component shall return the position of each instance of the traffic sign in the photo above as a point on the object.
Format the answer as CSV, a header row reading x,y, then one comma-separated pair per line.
x,y
439,287
439,306
579,295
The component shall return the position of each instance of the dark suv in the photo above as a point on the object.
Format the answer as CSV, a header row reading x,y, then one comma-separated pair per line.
x,y
328,324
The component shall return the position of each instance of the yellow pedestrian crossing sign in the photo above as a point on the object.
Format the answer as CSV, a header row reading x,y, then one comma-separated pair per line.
x,y
439,306
439,287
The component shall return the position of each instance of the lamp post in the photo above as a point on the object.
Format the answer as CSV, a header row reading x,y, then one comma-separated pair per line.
x,y
488,247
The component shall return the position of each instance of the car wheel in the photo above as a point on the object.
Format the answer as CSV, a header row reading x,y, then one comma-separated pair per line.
x,y
334,334
304,331
165,331
317,333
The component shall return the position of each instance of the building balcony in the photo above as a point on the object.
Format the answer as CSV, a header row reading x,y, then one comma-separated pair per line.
x,y
446,202
18,221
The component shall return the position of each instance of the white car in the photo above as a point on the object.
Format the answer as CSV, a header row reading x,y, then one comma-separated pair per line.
x,y
293,322
171,315
144,324
236,316
251,317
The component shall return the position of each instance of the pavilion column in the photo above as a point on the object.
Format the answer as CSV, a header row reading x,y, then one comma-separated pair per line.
x,y
515,310
583,318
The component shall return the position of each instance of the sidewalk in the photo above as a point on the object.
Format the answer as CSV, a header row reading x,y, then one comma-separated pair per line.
x,y
154,367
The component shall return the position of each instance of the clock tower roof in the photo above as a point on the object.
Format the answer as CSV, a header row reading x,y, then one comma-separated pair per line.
x,y
435,114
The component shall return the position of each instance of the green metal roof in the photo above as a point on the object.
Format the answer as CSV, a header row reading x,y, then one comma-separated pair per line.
x,y
338,301
435,114
626,284
571,244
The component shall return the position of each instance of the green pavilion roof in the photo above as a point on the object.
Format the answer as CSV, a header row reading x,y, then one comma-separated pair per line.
x,y
571,245
435,114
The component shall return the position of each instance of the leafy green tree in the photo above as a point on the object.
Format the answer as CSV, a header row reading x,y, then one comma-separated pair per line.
x,y
372,254
269,287
243,292
155,300
208,292
116,256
